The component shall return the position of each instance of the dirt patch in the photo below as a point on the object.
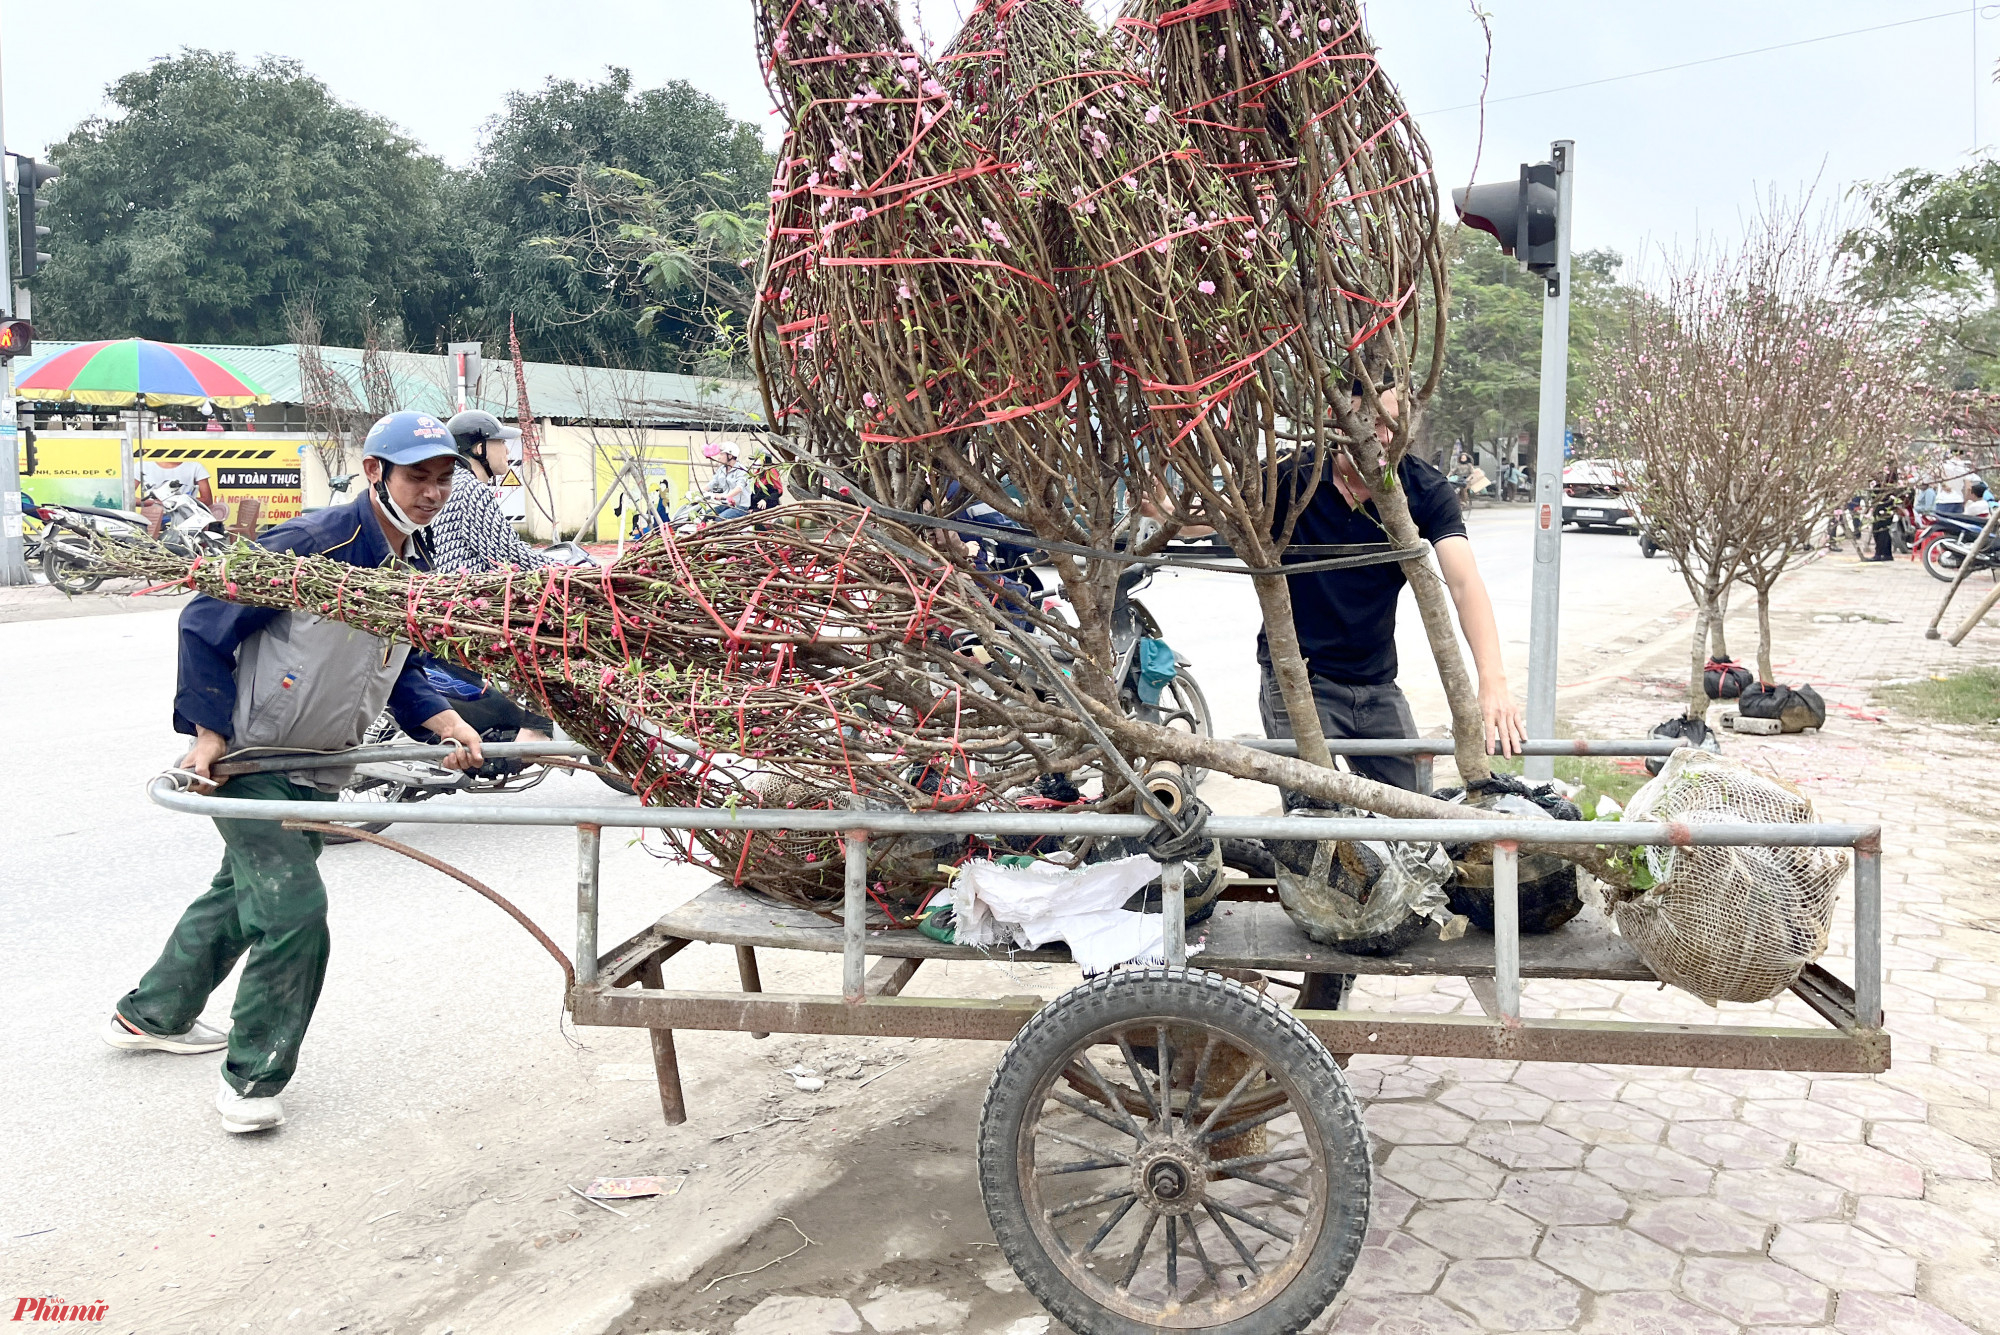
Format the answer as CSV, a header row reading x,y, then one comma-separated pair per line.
x,y
905,1214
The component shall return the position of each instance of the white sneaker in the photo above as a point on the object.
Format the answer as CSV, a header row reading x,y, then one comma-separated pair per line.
x,y
120,1032
240,1114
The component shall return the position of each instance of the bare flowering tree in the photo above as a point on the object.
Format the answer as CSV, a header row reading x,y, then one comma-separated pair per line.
x,y
1037,274
1743,405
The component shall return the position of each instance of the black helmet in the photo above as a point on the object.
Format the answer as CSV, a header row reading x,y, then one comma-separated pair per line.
x,y
471,429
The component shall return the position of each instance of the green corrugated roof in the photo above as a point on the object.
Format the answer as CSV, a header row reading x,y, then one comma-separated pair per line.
x,y
426,383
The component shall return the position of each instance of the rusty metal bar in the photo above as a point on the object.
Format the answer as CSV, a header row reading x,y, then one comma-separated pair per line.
x,y
1868,936
746,969
666,1060
1173,912
1616,1041
1507,931
588,837
854,921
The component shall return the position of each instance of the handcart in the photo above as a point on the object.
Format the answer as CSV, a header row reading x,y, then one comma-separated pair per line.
x,y
1162,1148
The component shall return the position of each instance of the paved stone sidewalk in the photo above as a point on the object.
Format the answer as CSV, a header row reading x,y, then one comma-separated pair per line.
x,y
1669,1201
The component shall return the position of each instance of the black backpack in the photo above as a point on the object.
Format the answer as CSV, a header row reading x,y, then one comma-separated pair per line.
x,y
1725,678
1795,707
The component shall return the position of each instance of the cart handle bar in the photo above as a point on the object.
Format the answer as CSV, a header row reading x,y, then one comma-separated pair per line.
x,y
167,792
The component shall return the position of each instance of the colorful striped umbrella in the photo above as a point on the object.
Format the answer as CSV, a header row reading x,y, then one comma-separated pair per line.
x,y
138,370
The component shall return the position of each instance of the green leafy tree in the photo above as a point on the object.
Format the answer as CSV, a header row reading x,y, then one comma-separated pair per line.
x,y
1930,254
1491,385
221,195
585,214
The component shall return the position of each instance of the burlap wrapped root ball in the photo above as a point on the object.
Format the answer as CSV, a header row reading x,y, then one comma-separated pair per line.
x,y
1728,924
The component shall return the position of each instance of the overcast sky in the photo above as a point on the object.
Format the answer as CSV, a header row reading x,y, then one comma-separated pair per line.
x,y
1660,158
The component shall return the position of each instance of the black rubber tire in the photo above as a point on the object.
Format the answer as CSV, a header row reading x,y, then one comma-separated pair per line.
x,y
1941,563
62,572
1033,1062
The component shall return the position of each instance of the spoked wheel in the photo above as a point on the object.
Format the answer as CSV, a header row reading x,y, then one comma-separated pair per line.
x,y
1167,1150
68,562
363,798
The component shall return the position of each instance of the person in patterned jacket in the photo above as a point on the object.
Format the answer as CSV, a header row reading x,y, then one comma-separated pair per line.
x,y
471,533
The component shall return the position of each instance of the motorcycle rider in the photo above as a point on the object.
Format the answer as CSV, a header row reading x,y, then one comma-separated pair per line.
x,y
261,679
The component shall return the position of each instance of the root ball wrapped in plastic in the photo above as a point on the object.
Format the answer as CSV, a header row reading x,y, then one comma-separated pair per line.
x,y
1548,894
1728,924
1363,896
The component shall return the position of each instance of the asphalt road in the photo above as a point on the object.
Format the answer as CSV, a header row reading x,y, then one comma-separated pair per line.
x,y
438,1084
1611,595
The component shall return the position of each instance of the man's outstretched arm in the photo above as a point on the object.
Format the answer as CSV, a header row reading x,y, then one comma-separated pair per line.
x,y
1504,728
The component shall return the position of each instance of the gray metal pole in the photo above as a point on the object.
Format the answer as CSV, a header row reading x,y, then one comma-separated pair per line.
x,y
1507,931
854,921
589,838
1547,590
13,568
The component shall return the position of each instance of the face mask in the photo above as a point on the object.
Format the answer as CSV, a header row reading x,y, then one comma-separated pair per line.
x,y
402,523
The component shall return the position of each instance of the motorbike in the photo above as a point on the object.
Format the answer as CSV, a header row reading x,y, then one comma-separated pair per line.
x,y
71,533
1946,541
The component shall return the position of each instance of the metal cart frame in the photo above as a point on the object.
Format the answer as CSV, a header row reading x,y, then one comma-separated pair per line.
x,y
626,986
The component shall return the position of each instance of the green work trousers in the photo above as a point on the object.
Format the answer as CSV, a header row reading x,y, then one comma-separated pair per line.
x,y
269,901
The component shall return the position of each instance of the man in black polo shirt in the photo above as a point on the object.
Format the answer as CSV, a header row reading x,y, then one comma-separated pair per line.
x,y
1346,619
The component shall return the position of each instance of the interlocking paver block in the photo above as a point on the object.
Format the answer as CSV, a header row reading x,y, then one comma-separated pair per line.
x,y
1755,1292
1531,1146
1607,1122
1843,1257
1777,1195
1467,1068
1495,1102
1607,1259
1728,1144
1923,1228
1700,1224
1756,1084
1649,1169
1802,1119
1564,1197
1870,1099
1653,1314
1893,1314
1680,1100
1940,1152
1859,1169
1400,1314
1512,1295
1394,1262
1568,1084
1476,1230
1416,1124
1442,1172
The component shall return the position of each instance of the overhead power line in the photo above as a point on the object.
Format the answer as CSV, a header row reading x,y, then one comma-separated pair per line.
x,y
1958,13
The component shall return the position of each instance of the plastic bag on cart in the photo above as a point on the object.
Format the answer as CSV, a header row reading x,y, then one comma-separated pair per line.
x,y
1727,924
997,905
1363,896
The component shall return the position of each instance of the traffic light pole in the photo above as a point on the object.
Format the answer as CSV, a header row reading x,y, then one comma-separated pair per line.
x,y
1546,597
13,568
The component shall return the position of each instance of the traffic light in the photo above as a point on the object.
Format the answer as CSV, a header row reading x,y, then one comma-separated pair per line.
x,y
1525,216
17,338
29,177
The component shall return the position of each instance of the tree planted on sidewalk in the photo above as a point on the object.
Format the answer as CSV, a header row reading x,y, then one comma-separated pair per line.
x,y
1745,403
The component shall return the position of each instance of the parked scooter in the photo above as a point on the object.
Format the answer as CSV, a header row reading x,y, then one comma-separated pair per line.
x,y
1945,541
71,534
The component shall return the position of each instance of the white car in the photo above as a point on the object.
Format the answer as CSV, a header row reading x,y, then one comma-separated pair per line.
x,y
1593,497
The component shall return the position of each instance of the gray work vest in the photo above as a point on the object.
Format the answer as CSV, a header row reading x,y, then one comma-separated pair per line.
x,y
304,683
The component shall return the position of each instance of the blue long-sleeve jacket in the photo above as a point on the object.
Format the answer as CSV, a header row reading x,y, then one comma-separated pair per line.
x,y
211,630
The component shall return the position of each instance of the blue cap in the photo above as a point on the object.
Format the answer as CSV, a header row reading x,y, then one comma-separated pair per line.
x,y
408,438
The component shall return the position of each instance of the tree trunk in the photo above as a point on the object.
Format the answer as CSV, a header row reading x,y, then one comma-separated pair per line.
x,y
1718,640
1704,613
1764,672
1468,724
1288,665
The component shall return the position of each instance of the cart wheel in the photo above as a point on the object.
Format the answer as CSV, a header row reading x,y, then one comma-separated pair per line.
x,y
1167,1150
